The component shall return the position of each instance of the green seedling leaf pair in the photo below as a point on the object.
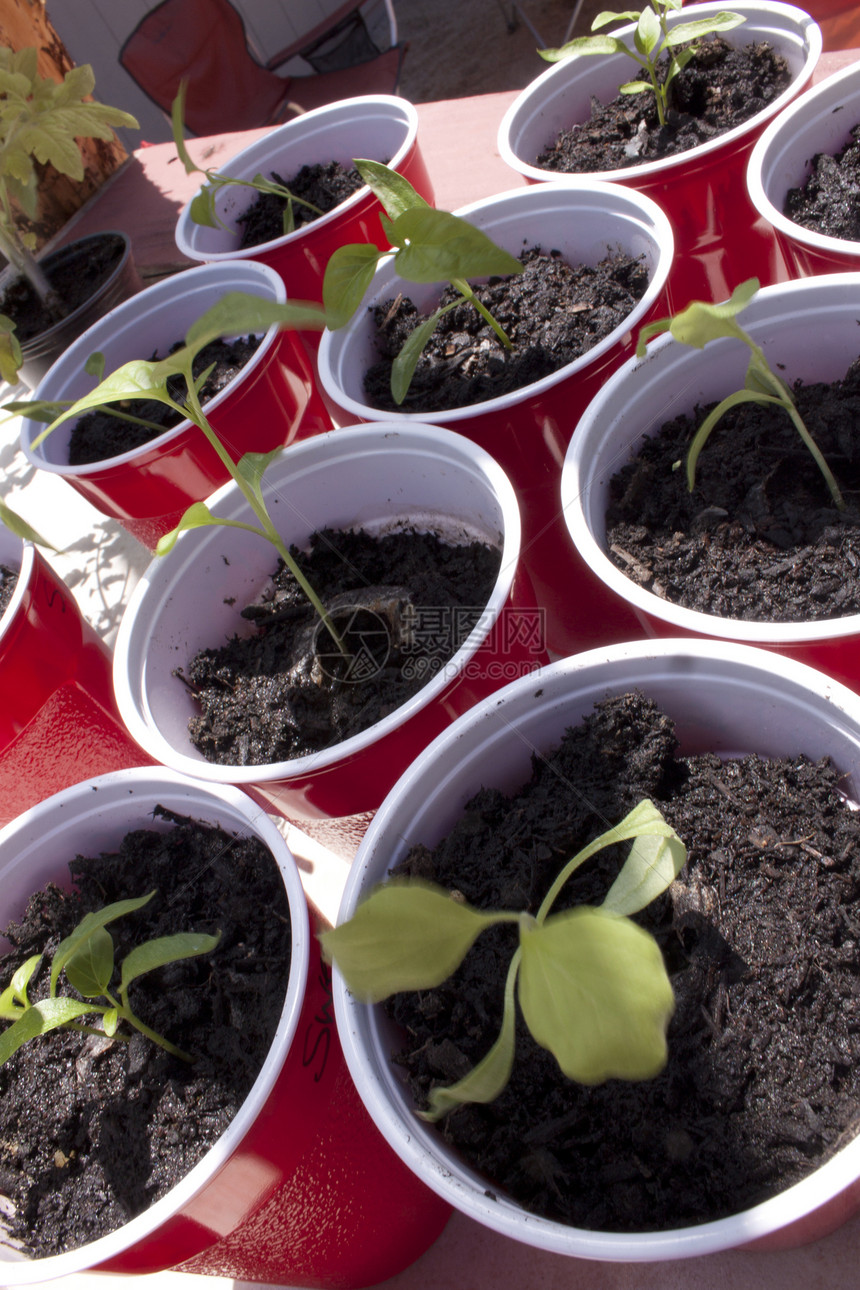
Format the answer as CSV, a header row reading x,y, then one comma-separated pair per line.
x,y
653,40
203,208
87,959
702,322
235,314
590,983
427,246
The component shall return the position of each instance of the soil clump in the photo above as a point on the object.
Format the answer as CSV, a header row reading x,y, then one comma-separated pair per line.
x,y
722,87
324,186
552,313
100,434
760,935
8,582
759,538
827,200
93,1131
403,603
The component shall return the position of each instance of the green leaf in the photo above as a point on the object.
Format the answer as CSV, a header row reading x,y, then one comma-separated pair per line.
x,y
634,87
701,321
95,365
137,379
656,858
251,468
164,949
85,928
648,32
487,1079
348,274
110,1022
47,1014
14,997
10,351
583,46
436,246
395,193
90,967
687,31
602,19
202,208
403,367
197,516
15,524
594,992
238,313
408,935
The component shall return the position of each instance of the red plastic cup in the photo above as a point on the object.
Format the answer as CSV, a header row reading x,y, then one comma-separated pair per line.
x,y
301,1188
820,121
374,127
528,431
271,402
720,239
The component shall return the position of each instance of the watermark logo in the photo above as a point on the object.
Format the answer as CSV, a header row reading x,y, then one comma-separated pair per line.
x,y
421,640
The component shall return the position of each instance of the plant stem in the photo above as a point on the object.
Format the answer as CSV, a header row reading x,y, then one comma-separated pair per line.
x,y
468,295
267,529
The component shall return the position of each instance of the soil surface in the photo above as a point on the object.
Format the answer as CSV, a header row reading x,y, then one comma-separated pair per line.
x,y
552,313
759,538
94,1131
100,435
403,603
323,186
8,582
73,280
721,88
827,201
761,937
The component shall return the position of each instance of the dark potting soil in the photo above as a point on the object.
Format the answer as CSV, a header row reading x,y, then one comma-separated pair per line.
x,y
827,201
759,538
721,88
324,186
100,434
552,313
73,280
92,1132
761,937
403,603
8,582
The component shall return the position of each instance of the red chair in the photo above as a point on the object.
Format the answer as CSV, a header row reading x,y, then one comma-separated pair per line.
x,y
204,42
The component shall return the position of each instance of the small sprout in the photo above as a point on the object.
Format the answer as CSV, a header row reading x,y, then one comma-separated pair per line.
x,y
427,245
87,959
591,983
652,39
202,208
701,322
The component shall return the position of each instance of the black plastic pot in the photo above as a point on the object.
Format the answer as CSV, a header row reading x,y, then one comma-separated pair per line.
x,y
41,350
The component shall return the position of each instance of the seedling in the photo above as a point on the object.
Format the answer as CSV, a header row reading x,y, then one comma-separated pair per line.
x,y
427,245
236,313
203,206
652,40
40,122
591,983
87,958
701,322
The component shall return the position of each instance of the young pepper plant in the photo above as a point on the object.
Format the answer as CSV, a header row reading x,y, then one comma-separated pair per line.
x,y
236,313
591,983
427,245
203,206
652,39
87,958
702,322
